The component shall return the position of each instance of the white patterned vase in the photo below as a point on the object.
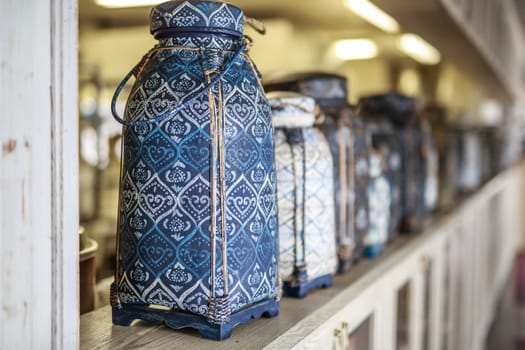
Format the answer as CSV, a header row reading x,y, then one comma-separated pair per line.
x,y
347,139
304,169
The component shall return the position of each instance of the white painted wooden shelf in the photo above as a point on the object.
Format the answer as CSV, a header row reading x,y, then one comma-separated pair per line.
x,y
468,251
482,37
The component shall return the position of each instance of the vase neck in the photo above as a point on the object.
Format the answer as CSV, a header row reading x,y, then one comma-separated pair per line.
x,y
201,40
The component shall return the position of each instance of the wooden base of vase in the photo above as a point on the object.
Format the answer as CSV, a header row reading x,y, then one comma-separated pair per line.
x,y
300,290
127,313
373,250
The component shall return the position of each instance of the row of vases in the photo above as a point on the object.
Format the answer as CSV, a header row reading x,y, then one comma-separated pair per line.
x,y
229,196
384,176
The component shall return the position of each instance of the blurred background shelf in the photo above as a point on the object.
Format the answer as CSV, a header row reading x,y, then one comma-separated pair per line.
x,y
481,39
484,38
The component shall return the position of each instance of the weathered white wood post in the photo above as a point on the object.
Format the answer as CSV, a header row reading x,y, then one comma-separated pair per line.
x,y
38,174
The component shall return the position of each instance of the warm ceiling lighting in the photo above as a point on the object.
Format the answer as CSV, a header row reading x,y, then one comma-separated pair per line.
x,y
373,14
127,3
417,48
355,49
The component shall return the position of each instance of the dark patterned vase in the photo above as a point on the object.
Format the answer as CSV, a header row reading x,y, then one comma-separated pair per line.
x,y
401,112
346,136
305,190
197,234
446,145
384,142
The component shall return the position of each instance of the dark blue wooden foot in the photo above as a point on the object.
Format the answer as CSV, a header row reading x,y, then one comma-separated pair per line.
x,y
300,290
123,316
127,313
373,250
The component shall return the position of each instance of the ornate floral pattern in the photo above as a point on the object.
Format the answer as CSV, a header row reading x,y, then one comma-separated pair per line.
x,y
198,206
202,14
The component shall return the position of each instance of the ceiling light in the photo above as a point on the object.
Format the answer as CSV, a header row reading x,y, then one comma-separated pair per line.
x,y
127,3
416,47
355,49
373,14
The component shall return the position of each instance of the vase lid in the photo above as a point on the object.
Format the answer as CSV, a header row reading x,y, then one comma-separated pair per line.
x,y
328,89
196,16
291,110
398,108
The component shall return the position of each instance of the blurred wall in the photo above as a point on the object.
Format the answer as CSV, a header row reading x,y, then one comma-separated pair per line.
x,y
287,48
114,51
282,49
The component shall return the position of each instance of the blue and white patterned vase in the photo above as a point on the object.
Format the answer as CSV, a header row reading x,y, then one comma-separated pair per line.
x,y
379,204
346,136
197,230
400,110
383,141
305,188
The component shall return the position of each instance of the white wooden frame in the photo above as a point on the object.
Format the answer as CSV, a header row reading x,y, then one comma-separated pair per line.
x,y
38,174
64,36
472,295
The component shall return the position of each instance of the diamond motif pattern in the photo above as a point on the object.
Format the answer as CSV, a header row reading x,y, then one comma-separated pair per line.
x,y
159,152
167,211
303,166
156,252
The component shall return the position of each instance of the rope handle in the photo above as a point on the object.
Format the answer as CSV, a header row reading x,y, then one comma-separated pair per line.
x,y
177,109
255,24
